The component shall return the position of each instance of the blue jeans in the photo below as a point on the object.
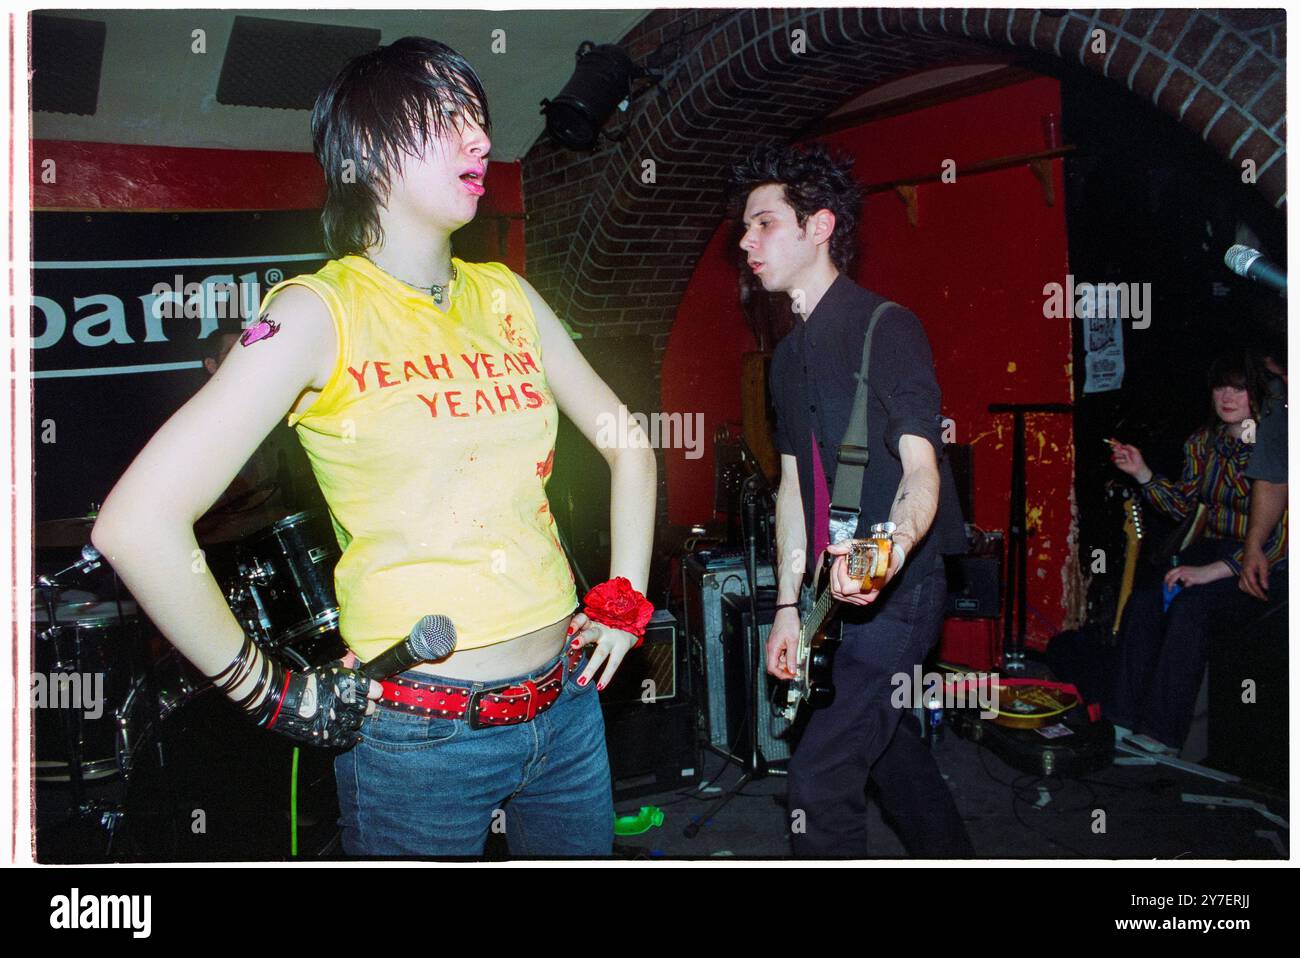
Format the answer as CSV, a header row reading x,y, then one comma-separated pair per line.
x,y
431,787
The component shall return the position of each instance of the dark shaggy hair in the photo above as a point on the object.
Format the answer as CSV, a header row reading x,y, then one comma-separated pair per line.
x,y
813,179
382,104
1240,369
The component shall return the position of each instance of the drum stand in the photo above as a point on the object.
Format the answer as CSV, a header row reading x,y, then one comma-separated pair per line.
x,y
144,665
106,815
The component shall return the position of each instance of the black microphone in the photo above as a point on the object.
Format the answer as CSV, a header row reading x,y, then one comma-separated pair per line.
x,y
1251,264
433,638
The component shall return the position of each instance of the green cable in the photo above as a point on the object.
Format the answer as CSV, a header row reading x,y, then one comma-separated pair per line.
x,y
293,806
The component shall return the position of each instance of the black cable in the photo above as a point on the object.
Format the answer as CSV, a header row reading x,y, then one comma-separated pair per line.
x,y
1016,788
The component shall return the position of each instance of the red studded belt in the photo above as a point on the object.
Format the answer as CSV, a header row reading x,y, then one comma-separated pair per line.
x,y
510,704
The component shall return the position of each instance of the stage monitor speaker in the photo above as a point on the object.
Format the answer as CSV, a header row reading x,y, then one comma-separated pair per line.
x,y
649,716
773,728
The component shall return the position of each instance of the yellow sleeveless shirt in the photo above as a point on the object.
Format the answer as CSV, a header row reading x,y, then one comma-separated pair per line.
x,y
433,443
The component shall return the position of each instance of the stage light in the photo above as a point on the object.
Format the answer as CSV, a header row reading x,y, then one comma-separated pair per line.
x,y
601,81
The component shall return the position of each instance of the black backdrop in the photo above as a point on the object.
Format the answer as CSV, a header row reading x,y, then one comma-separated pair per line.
x,y
97,422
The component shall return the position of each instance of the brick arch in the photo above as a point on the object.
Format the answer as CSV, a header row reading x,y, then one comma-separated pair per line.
x,y
614,253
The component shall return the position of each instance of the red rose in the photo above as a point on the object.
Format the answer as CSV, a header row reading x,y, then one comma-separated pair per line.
x,y
616,604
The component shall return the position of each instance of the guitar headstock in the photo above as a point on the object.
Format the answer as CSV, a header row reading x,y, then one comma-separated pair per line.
x,y
860,560
868,559
1133,518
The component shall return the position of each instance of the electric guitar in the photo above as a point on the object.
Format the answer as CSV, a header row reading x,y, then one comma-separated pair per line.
x,y
1132,546
867,559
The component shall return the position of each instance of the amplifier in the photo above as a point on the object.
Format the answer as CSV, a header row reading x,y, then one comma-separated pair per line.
x,y
974,586
707,578
649,716
772,726
655,672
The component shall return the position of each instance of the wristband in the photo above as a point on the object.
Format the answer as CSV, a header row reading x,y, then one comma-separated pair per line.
x,y
341,704
616,604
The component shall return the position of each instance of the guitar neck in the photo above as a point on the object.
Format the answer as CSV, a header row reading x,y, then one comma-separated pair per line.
x,y
1132,544
819,612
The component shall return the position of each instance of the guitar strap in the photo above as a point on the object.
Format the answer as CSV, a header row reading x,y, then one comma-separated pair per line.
x,y
846,498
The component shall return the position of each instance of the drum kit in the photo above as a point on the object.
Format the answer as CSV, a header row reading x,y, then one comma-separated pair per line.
x,y
106,684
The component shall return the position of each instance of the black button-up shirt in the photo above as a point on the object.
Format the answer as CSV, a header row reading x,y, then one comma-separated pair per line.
x,y
813,380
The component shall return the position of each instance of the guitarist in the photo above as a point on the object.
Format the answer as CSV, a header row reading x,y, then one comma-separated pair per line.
x,y
800,218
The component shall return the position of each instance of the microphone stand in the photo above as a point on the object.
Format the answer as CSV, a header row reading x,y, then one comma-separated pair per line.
x,y
752,761
1017,587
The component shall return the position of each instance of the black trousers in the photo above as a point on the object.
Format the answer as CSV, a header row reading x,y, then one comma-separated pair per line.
x,y
861,736
1163,654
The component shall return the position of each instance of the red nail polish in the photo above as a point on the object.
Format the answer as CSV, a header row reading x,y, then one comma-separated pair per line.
x,y
582,681
600,688
575,643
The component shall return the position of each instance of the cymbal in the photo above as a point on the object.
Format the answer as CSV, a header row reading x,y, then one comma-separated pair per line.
x,y
218,528
80,613
63,533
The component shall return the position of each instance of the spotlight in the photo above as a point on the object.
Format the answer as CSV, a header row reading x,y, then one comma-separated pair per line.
x,y
601,81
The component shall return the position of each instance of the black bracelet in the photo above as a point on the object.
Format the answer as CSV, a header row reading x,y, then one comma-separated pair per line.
x,y
270,706
239,669
246,703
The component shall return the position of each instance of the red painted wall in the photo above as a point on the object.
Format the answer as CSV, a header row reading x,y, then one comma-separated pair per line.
x,y
69,175
973,270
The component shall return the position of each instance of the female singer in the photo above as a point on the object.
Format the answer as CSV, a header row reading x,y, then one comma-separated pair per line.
x,y
426,391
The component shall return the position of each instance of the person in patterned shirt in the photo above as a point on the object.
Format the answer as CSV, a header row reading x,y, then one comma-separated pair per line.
x,y
1164,649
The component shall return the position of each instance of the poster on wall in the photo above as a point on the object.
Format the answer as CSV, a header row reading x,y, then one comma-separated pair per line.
x,y
125,308
1103,353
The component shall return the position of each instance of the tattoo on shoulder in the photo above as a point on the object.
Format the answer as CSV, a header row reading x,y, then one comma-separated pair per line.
x,y
264,328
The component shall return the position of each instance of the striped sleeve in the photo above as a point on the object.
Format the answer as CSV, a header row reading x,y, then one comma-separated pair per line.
x,y
1274,548
1177,497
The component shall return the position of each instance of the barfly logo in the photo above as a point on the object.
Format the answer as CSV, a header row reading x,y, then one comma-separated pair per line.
x,y
102,911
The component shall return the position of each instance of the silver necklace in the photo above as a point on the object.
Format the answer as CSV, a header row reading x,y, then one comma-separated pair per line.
x,y
435,290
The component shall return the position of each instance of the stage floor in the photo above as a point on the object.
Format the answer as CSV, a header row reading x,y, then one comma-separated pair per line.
x,y
229,794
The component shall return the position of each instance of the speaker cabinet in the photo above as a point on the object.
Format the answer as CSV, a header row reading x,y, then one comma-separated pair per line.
x,y
974,586
650,717
708,578
773,729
